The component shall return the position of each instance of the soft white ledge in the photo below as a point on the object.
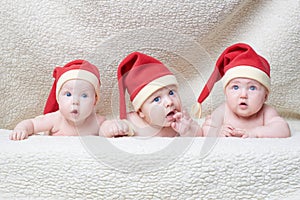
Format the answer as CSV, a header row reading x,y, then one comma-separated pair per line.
x,y
45,167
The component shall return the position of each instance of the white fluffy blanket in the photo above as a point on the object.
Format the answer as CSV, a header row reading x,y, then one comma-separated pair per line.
x,y
45,167
187,36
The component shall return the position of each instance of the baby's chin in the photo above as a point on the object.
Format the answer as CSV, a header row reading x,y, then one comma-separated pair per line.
x,y
245,114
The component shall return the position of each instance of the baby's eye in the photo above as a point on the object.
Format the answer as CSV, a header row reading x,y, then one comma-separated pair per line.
x,y
84,95
252,87
156,99
235,87
171,92
68,94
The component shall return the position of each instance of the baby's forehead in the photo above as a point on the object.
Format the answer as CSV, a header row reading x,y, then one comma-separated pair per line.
x,y
168,87
77,83
244,80
165,88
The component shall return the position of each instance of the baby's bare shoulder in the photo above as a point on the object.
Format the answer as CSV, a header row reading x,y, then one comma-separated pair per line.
x,y
135,119
54,116
100,118
270,114
132,115
269,111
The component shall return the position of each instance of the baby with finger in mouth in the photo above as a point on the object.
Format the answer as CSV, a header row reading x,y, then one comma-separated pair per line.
x,y
153,92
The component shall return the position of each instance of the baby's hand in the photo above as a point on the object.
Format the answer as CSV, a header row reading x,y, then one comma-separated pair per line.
x,y
243,133
18,135
182,124
226,131
229,131
114,128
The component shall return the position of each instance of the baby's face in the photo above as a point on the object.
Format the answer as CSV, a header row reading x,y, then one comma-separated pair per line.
x,y
159,108
77,100
245,96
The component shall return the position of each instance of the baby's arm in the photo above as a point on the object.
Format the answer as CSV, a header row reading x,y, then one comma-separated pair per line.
x,y
30,126
274,126
115,128
23,129
211,129
185,125
213,125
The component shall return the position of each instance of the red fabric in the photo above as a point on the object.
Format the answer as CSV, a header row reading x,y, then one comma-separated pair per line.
x,y
136,71
239,54
51,104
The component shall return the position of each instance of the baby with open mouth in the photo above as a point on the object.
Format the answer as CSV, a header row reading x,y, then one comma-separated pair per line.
x,y
153,91
70,107
246,83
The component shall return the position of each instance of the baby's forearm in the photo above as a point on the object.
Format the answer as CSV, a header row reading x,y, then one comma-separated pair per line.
x,y
276,129
25,125
194,130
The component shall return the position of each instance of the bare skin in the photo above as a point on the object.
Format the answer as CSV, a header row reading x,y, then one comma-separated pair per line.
x,y
76,115
160,115
245,114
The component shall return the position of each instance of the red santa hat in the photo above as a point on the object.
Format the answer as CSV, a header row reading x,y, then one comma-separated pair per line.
x,y
141,75
236,61
77,69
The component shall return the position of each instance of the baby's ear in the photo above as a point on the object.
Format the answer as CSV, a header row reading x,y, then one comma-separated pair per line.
x,y
96,99
140,113
267,95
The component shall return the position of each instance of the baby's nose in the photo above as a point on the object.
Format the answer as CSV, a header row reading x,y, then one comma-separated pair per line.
x,y
75,101
168,101
244,93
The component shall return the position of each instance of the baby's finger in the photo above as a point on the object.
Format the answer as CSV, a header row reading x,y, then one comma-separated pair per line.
x,y
177,116
245,136
227,134
115,130
175,126
12,135
186,115
18,135
226,131
239,132
15,135
123,127
23,135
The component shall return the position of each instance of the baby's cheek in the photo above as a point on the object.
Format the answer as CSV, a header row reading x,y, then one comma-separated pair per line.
x,y
157,115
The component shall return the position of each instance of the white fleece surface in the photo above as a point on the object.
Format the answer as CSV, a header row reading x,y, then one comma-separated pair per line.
x,y
45,167
186,35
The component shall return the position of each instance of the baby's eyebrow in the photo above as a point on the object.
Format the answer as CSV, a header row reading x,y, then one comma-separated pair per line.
x,y
172,88
235,82
252,83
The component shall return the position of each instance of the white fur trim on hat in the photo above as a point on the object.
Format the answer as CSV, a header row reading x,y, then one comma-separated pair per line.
x,y
151,87
247,72
78,74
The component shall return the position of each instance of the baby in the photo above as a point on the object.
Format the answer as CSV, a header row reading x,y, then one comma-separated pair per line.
x,y
70,108
246,82
153,91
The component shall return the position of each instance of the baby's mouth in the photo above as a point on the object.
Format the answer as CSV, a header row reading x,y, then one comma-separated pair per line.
x,y
243,104
74,111
171,113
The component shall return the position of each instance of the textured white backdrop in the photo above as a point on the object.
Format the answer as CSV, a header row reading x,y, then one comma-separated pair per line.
x,y
187,36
